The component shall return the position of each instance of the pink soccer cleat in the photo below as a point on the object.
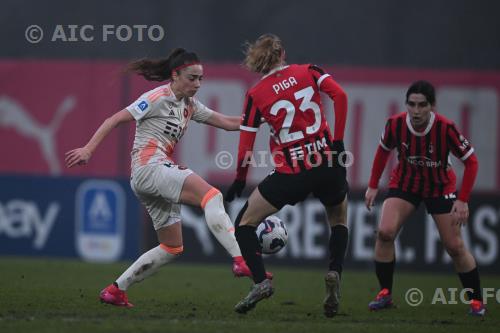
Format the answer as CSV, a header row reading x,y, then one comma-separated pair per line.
x,y
382,301
240,269
114,296
477,308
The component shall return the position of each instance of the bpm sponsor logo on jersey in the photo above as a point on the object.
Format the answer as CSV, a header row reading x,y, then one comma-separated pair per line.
x,y
100,220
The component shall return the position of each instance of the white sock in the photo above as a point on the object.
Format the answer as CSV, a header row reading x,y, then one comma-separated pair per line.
x,y
146,265
220,224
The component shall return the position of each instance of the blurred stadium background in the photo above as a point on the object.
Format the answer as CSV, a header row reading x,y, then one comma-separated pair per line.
x,y
55,92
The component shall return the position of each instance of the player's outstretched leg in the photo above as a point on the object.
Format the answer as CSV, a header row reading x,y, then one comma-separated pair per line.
x,y
464,262
258,292
221,227
144,266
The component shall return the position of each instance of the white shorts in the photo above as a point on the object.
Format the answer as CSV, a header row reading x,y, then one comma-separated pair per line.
x,y
159,188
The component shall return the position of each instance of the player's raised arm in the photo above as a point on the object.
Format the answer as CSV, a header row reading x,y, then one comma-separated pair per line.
x,y
81,156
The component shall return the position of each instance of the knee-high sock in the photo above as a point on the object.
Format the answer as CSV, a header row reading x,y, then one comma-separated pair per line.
x,y
219,222
147,264
385,273
338,246
471,280
250,247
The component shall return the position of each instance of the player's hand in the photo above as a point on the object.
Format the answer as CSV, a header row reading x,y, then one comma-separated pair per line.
x,y
235,190
78,156
460,212
370,195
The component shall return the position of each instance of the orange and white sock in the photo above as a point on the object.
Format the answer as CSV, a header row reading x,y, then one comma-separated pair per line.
x,y
219,222
147,264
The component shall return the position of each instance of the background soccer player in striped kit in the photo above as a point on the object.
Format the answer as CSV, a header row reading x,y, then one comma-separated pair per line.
x,y
424,139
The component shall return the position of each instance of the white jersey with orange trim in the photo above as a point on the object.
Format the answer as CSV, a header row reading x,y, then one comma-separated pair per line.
x,y
161,120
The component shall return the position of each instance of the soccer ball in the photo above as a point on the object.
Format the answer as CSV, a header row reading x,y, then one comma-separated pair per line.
x,y
272,234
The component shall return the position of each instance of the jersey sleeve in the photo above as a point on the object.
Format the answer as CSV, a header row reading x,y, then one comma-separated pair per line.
x,y
387,140
251,118
201,112
329,86
458,144
245,150
141,107
379,163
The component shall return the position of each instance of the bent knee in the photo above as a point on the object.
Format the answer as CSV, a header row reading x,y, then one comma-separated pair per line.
x,y
175,250
214,196
455,249
386,235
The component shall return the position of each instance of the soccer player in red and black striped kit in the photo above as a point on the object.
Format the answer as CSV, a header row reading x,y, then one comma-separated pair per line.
x,y
307,158
424,139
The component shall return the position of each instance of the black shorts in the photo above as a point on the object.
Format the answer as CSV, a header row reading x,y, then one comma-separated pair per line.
x,y
327,183
437,205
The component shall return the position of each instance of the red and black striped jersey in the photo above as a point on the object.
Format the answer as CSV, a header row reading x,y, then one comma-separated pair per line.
x,y
289,101
424,167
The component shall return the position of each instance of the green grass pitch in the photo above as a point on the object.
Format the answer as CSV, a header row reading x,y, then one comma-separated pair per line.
x,y
47,295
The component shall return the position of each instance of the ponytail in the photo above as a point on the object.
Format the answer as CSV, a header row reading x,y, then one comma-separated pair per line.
x,y
264,54
161,69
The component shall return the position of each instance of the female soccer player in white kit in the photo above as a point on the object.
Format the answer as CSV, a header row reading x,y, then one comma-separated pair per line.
x,y
161,116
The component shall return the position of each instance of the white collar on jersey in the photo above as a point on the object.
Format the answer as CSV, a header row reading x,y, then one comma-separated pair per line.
x,y
427,129
274,70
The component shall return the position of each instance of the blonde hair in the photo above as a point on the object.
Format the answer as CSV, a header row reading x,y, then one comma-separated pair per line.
x,y
264,54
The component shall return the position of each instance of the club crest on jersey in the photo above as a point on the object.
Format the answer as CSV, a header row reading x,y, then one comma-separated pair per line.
x,y
284,84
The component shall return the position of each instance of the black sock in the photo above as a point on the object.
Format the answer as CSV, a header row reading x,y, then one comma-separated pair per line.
x,y
385,272
240,215
251,251
471,280
338,245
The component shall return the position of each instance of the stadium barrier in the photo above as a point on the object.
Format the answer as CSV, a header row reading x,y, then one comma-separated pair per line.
x,y
93,219
100,220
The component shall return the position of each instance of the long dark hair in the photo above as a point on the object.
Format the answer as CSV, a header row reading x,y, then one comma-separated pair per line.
x,y
161,69
422,87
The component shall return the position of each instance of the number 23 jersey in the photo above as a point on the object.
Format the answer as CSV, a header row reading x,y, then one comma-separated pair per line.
x,y
288,100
